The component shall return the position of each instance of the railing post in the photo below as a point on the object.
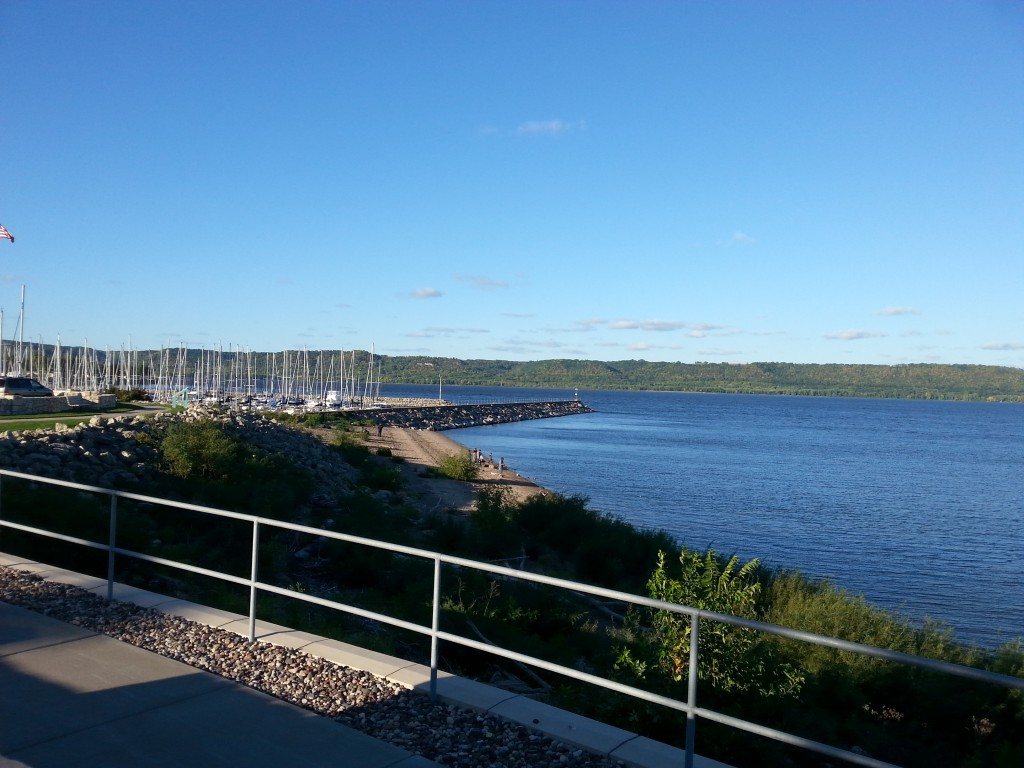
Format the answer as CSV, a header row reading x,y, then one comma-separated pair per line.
x,y
112,542
691,691
253,571
435,626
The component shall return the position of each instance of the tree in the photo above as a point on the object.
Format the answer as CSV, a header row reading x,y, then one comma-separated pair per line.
x,y
731,658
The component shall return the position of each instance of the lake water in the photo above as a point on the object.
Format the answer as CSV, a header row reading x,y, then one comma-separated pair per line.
x,y
917,505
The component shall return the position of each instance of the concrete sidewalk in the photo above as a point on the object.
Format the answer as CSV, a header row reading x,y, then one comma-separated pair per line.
x,y
71,697
594,736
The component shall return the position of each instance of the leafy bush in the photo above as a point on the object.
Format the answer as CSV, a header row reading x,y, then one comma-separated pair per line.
x,y
220,469
458,466
134,395
732,658
380,478
200,449
352,446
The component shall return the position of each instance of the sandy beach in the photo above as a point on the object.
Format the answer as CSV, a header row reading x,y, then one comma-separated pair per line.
x,y
423,448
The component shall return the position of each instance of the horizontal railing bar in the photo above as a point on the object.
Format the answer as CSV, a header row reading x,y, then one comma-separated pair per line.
x,y
362,612
935,665
53,535
240,580
128,495
575,674
791,739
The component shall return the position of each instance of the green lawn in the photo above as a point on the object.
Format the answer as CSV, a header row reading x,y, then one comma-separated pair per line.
x,y
48,420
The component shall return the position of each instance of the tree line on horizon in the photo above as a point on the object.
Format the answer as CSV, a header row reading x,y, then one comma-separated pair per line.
x,y
912,381
921,381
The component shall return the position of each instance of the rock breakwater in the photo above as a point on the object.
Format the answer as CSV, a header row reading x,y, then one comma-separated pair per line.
x,y
444,417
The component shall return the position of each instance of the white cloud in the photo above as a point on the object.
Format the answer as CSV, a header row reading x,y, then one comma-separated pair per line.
x,y
549,127
579,328
647,325
699,330
481,282
896,311
426,293
739,238
533,345
853,335
644,346
1006,346
718,352
433,332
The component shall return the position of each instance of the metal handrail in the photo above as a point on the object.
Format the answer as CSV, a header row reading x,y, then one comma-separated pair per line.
x,y
436,635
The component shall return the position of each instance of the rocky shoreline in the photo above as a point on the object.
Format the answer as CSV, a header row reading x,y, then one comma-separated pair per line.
x,y
113,451
448,735
116,451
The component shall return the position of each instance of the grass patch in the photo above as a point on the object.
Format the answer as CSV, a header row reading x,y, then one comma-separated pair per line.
x,y
47,422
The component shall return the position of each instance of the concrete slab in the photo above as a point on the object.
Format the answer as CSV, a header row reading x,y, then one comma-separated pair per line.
x,y
469,693
52,573
22,630
232,727
63,576
275,634
353,656
201,614
645,752
415,676
140,597
21,563
71,697
562,725
107,680
9,561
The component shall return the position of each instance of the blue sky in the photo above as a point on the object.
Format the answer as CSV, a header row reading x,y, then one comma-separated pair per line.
x,y
694,181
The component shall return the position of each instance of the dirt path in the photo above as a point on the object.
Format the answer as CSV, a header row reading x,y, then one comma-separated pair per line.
x,y
422,448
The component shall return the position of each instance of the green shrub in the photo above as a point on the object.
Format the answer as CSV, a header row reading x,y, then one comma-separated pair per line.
x,y
133,395
352,446
458,466
199,450
380,478
731,658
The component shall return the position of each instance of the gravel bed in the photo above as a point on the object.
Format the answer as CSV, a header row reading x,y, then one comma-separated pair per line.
x,y
447,735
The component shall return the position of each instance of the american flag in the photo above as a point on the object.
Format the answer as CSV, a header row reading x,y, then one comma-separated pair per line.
x,y
5,233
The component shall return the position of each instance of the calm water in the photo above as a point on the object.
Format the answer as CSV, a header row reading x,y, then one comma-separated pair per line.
x,y
917,505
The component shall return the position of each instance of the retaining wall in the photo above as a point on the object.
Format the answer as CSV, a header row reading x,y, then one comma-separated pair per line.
x,y
13,405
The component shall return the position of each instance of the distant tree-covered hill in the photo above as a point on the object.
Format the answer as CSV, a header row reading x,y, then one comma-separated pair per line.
x,y
918,381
